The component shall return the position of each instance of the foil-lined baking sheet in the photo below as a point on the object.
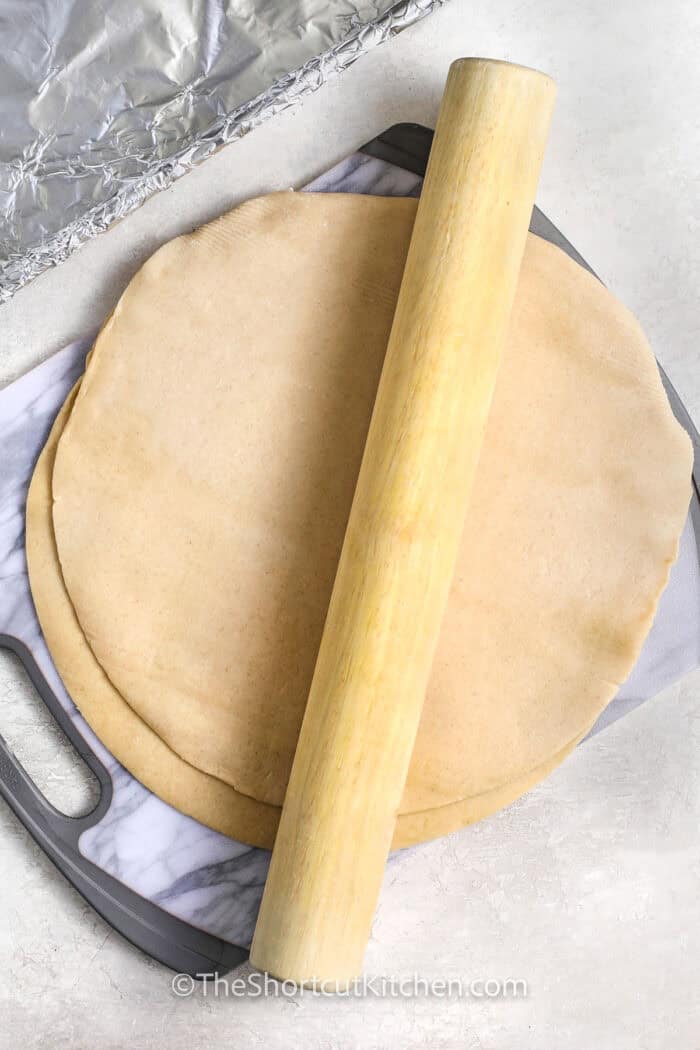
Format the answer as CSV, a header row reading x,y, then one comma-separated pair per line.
x,y
103,102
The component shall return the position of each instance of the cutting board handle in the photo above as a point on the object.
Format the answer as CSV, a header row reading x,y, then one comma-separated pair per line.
x,y
405,524
174,942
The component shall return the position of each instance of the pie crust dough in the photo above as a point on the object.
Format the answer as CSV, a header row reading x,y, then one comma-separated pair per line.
x,y
186,516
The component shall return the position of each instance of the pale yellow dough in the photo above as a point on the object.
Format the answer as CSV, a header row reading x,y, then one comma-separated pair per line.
x,y
203,478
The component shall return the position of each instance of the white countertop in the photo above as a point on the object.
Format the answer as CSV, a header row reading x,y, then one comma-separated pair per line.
x,y
588,887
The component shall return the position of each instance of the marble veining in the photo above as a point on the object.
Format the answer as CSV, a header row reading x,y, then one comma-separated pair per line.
x,y
187,869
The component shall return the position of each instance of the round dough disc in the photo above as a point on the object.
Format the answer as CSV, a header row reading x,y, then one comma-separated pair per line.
x,y
201,483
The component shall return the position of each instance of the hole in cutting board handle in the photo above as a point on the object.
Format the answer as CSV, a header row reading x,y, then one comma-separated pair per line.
x,y
40,745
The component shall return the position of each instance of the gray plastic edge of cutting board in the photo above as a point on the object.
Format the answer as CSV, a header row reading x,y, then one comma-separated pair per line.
x,y
170,940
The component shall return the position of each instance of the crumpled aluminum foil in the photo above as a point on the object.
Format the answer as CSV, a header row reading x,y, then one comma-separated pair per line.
x,y
103,102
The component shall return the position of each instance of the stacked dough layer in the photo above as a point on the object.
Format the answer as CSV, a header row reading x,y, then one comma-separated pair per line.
x,y
186,515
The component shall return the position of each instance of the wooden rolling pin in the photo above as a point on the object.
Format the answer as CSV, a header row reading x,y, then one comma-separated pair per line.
x,y
406,522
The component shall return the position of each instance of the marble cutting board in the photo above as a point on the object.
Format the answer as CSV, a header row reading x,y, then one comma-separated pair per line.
x,y
165,861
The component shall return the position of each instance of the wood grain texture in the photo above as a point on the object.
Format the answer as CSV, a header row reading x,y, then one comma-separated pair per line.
x,y
405,524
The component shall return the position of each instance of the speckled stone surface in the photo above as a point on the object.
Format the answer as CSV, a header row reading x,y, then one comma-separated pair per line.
x,y
586,888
